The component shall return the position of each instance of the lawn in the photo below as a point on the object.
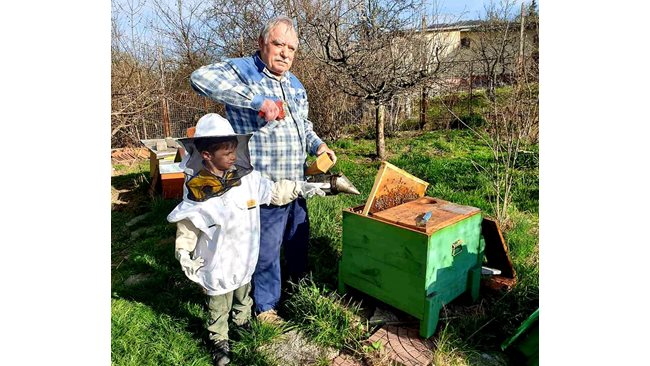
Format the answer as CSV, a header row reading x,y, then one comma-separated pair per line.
x,y
157,316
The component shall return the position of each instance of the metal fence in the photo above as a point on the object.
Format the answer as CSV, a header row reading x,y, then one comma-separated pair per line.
x,y
169,116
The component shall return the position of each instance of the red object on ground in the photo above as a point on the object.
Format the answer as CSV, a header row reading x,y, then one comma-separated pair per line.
x,y
281,115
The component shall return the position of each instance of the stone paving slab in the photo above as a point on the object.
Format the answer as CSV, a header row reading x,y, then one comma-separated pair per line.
x,y
404,345
294,349
345,360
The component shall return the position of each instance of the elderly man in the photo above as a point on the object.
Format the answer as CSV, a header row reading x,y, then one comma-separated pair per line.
x,y
261,96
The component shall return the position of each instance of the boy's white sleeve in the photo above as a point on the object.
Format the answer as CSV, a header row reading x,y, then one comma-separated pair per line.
x,y
186,235
265,190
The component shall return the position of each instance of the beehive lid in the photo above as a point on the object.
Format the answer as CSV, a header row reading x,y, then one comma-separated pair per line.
x,y
161,148
443,214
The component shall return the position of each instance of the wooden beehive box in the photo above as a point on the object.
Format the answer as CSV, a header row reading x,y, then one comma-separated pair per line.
x,y
160,150
414,269
172,179
166,178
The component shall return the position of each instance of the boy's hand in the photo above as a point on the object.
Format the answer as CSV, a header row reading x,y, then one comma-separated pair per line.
x,y
189,265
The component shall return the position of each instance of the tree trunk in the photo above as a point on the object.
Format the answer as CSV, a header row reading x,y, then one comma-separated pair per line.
x,y
423,109
379,125
520,63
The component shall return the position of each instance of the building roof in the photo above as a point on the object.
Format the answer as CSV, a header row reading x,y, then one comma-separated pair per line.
x,y
475,25
463,25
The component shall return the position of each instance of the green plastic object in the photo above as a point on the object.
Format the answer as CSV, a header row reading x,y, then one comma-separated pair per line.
x,y
523,345
408,269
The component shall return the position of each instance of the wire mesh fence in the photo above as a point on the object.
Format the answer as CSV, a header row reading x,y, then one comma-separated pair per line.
x,y
167,116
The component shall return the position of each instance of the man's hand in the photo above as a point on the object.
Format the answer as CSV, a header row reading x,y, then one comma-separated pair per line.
x,y
324,149
271,110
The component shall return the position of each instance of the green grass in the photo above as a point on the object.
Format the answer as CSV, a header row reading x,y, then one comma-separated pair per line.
x,y
325,316
248,348
141,335
158,316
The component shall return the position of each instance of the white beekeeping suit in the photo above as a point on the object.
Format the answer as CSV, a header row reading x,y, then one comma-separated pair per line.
x,y
217,239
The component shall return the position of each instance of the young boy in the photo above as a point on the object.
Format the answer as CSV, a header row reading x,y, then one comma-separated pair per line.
x,y
218,222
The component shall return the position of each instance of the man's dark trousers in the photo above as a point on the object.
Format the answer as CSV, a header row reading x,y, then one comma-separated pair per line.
x,y
280,226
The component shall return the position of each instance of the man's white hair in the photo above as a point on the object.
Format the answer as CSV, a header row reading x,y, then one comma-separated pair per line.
x,y
272,23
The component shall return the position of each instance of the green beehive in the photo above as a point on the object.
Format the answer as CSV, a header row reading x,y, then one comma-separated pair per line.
x,y
414,268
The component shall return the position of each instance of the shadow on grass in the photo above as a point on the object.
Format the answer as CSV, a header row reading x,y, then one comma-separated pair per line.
x,y
163,287
323,261
130,192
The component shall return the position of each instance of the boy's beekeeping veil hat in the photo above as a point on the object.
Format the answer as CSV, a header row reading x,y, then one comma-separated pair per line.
x,y
213,125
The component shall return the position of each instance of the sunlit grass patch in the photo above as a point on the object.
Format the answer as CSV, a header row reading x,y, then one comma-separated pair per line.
x,y
142,336
324,315
248,344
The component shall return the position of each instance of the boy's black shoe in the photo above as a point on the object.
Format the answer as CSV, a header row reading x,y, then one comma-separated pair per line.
x,y
221,353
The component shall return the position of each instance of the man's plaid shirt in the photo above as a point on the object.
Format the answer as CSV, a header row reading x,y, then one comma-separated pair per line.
x,y
278,148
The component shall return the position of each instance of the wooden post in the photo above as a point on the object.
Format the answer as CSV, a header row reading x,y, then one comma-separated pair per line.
x,y
164,104
379,125
423,103
165,118
423,109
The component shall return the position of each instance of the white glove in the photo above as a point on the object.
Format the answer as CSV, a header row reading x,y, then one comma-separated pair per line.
x,y
286,191
308,190
189,265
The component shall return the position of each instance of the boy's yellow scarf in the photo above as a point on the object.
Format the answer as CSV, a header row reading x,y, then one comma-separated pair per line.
x,y
206,185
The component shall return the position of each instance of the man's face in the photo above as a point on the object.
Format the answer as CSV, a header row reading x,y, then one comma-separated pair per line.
x,y
278,53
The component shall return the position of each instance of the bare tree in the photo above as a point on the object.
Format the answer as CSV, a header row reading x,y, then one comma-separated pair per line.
x,y
133,82
370,49
235,24
513,117
495,44
181,30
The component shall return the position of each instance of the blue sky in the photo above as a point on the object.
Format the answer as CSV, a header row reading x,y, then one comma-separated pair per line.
x,y
448,11
465,9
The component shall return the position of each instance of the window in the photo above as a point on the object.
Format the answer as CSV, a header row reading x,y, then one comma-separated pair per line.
x,y
464,42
